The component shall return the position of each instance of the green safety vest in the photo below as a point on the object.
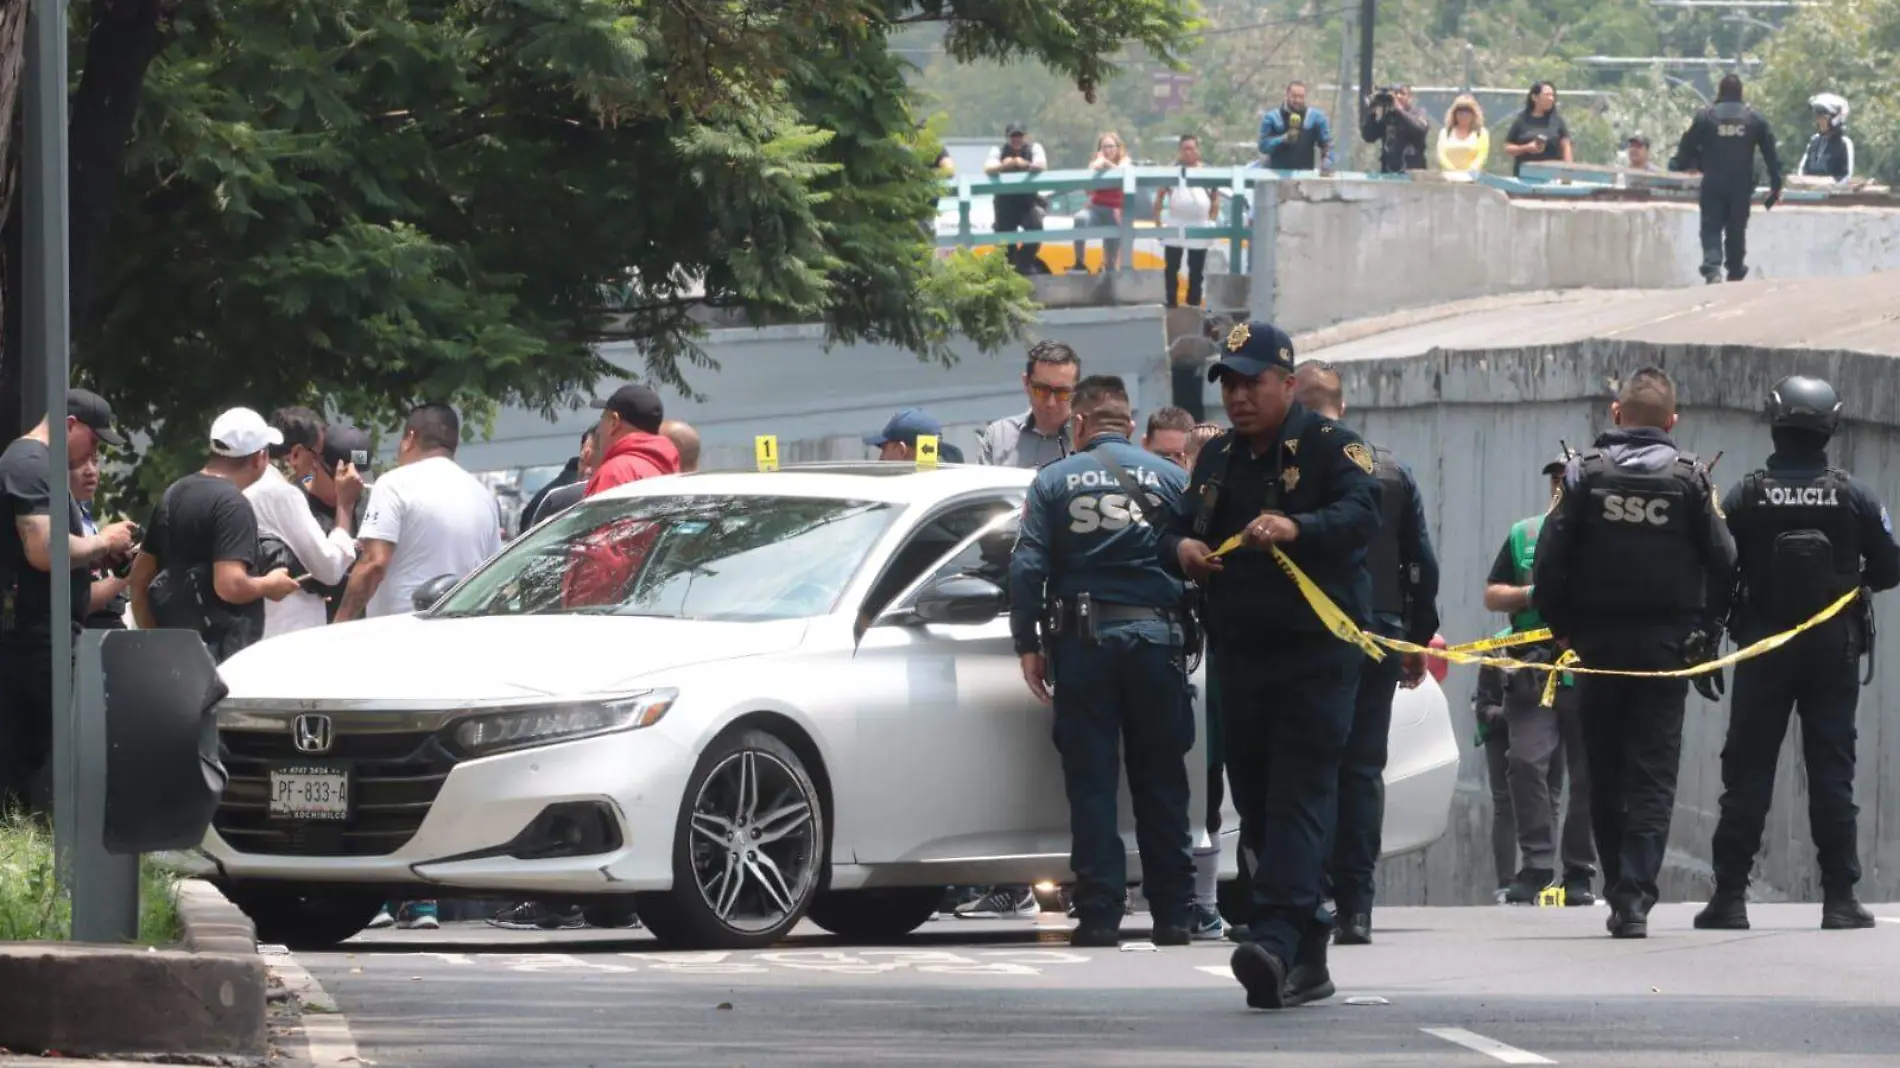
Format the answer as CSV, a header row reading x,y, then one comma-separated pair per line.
x,y
1523,552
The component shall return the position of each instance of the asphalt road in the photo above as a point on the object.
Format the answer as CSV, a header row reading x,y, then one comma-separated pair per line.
x,y
1443,987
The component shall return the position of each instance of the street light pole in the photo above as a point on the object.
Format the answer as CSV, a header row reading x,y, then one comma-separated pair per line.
x,y
47,333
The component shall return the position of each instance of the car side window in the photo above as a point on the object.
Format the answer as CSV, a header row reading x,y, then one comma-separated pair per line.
x,y
928,545
988,556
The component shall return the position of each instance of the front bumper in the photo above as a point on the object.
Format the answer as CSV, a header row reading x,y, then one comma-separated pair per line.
x,y
455,837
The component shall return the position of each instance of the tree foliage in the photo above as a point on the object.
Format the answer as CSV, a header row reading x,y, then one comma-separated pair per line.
x,y
360,204
1846,48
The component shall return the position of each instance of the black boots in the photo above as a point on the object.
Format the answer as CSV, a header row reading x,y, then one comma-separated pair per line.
x,y
1845,914
1727,910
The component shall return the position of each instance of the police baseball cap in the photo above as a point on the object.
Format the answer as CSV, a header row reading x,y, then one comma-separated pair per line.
x,y
906,426
94,413
637,405
1558,465
1253,348
242,432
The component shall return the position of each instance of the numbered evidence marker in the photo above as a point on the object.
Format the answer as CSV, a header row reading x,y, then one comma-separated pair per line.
x,y
765,446
926,450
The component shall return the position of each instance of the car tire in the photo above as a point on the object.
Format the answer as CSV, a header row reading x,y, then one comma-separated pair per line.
x,y
685,917
297,918
876,915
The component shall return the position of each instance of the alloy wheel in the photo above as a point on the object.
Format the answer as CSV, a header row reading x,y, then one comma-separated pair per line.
x,y
754,849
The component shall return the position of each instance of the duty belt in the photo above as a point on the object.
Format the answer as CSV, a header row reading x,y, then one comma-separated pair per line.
x,y
1082,614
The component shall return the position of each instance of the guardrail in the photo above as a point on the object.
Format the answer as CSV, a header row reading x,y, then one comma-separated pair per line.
x,y
1568,181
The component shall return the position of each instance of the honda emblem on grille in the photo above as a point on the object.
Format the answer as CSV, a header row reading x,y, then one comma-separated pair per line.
x,y
312,733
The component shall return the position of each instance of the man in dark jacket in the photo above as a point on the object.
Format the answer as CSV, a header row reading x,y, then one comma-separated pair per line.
x,y
1399,127
1721,144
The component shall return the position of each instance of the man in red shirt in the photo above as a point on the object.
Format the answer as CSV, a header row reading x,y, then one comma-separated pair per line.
x,y
631,445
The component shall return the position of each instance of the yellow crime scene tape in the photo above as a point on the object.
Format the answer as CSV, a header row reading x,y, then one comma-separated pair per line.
x,y
1345,629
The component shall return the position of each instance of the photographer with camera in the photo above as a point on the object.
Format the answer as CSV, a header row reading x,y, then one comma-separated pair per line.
x,y
200,566
1398,126
290,534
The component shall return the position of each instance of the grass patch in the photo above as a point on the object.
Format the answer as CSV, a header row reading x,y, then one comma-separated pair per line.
x,y
33,908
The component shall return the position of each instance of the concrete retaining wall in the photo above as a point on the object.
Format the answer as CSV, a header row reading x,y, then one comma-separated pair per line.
x,y
1477,426
1344,250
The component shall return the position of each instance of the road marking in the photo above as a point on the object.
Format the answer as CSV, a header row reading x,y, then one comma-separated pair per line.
x,y
1216,969
324,1028
992,962
1490,1047
1888,919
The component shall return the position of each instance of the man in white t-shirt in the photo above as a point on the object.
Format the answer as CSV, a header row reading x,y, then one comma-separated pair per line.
x,y
283,512
426,518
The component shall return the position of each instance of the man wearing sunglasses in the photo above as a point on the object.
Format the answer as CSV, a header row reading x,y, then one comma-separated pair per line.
x,y
1039,436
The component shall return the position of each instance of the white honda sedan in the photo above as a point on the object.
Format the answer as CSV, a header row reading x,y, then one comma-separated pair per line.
x,y
731,701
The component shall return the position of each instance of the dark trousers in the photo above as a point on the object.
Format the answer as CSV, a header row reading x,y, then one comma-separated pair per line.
x,y
1129,686
1216,758
1544,744
1632,732
1817,677
1725,217
1014,214
1287,700
1362,786
1171,273
1497,744
26,722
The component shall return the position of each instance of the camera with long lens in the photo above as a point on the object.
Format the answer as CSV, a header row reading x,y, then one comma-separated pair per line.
x,y
1384,96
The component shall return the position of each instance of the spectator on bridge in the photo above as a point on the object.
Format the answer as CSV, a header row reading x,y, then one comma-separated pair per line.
x,y
685,440
1636,154
1179,207
1105,205
1830,151
1294,137
1465,144
1167,436
1539,132
1018,211
1399,127
1041,434
630,443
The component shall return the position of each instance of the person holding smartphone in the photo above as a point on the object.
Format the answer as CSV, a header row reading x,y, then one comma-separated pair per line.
x,y
320,558
1539,131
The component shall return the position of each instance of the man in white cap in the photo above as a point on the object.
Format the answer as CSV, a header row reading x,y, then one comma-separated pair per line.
x,y
198,568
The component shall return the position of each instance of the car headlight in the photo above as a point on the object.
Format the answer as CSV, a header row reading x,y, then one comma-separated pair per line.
x,y
524,728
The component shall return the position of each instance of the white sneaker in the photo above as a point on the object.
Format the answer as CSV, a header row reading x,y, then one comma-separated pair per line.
x,y
417,916
383,919
1002,903
1206,926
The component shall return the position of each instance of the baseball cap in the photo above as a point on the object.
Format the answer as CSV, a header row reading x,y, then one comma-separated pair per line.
x,y
638,405
1252,348
906,426
92,410
1637,139
242,432
340,441
1558,465
1015,128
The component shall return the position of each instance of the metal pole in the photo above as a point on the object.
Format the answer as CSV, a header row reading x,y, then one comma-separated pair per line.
x,y
46,334
1368,12
1345,109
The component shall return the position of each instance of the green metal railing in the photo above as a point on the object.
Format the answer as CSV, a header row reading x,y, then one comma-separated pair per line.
x,y
1234,182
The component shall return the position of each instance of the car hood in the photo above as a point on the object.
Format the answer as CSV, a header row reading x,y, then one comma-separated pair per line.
x,y
401,658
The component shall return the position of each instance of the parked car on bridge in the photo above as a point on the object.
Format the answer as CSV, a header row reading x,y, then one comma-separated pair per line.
x,y
730,700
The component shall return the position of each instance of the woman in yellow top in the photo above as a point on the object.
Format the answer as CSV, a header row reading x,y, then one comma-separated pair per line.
x,y
1464,144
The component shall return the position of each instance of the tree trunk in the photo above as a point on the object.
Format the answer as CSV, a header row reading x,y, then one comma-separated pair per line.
x,y
124,37
12,69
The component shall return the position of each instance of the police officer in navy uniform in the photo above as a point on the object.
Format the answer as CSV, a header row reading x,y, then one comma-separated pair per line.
x,y
1721,143
1404,574
1283,477
1805,535
1086,562
1633,570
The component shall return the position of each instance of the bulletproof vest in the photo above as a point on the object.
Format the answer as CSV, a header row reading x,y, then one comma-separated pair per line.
x,y
1730,152
1798,543
1300,150
1384,561
1639,555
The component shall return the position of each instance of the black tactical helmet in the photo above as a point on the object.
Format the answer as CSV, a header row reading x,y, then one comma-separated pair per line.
x,y
1804,403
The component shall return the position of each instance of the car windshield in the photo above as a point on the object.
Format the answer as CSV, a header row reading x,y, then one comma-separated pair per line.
x,y
680,557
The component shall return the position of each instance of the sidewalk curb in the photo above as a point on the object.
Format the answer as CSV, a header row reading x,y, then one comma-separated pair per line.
x,y
206,997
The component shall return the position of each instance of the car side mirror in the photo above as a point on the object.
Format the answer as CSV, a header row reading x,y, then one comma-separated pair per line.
x,y
959,599
431,592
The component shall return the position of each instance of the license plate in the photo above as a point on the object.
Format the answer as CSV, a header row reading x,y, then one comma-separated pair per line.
x,y
305,793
